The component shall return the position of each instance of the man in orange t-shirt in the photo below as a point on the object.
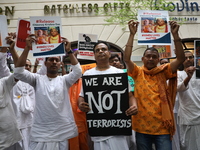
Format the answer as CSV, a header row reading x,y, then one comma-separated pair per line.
x,y
154,122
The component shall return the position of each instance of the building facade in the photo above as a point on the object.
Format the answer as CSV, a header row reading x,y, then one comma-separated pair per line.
x,y
79,16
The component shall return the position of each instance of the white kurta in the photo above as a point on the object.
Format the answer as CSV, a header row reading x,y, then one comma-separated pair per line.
x,y
189,112
23,102
9,133
189,100
107,142
53,117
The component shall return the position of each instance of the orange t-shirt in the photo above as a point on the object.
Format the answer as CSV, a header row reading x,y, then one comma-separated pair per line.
x,y
149,118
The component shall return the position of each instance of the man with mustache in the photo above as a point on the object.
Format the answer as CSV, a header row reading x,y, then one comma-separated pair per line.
x,y
102,55
189,105
53,122
154,122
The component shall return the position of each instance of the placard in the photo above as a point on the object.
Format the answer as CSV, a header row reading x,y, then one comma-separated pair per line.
x,y
108,99
47,32
153,28
23,31
86,43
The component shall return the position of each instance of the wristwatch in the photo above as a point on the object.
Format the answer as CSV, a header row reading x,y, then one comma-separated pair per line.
x,y
70,52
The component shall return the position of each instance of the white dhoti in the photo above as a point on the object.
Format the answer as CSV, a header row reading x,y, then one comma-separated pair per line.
x,y
15,146
132,141
25,138
114,143
189,137
176,138
63,145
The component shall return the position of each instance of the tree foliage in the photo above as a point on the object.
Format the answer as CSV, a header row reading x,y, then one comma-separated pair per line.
x,y
130,8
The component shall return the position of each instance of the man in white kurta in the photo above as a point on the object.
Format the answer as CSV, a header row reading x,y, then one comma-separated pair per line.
x,y
53,118
189,105
23,102
101,142
9,133
53,122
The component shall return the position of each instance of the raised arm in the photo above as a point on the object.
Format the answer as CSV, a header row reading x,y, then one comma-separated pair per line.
x,y
190,71
63,68
5,71
72,57
20,72
35,66
128,49
180,56
76,72
11,42
22,59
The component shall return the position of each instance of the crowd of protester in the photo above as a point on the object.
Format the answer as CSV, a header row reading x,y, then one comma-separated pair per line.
x,y
42,110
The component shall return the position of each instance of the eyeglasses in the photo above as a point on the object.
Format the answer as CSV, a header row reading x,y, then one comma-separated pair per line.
x,y
190,57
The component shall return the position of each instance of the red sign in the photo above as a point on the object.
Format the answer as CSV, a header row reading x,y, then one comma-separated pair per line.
x,y
22,33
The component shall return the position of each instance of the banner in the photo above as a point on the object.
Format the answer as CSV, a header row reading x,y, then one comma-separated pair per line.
x,y
108,100
47,32
153,28
3,31
86,43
